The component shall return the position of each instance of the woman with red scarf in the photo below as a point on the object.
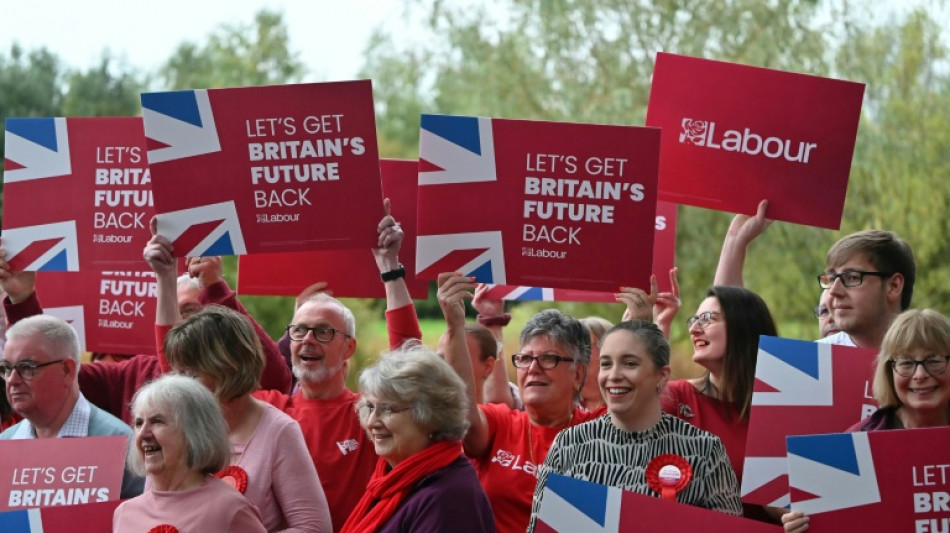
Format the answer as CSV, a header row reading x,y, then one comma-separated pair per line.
x,y
414,409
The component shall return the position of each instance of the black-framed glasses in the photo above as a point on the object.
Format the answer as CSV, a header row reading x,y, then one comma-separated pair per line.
x,y
383,410
547,361
704,319
822,311
322,334
907,366
26,369
849,278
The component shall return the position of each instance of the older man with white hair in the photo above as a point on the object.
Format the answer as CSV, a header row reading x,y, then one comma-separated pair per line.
x,y
40,364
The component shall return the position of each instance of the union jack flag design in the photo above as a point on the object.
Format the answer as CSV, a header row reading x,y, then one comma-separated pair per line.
x,y
178,124
62,519
546,294
828,472
43,247
801,388
571,505
204,230
36,148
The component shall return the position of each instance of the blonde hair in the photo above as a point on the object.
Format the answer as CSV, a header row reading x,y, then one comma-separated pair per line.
x,y
916,328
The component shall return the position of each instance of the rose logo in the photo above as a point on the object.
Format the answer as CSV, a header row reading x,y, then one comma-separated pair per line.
x,y
503,457
694,131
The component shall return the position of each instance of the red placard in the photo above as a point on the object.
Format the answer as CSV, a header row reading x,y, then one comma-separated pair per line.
x,y
570,505
348,273
280,168
894,481
113,312
544,204
51,472
734,135
664,258
801,388
77,193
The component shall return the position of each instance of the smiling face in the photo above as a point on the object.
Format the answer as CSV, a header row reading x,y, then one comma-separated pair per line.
x,y
709,342
922,392
316,363
630,381
395,436
161,446
548,390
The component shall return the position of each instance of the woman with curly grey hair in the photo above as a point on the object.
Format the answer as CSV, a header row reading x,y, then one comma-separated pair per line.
x,y
414,409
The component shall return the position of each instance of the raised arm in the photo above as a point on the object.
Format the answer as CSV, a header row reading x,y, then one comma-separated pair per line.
x,y
453,289
158,255
402,323
491,314
21,300
742,231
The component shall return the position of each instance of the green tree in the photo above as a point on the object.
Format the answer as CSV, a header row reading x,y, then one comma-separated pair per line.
x,y
236,55
108,89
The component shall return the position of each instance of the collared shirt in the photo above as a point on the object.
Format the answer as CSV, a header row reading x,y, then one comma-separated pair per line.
x,y
76,425
841,338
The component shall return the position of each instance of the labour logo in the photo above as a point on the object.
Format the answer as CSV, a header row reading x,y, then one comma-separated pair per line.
x,y
694,131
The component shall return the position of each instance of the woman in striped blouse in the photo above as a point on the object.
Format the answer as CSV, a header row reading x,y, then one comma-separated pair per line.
x,y
617,449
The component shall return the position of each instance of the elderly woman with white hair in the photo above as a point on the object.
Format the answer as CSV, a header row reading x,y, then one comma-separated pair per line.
x,y
181,440
414,409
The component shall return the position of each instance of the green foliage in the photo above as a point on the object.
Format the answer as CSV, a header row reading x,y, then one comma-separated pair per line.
x,y
236,55
103,91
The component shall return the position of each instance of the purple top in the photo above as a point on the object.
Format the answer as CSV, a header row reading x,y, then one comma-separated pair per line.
x,y
450,499
883,418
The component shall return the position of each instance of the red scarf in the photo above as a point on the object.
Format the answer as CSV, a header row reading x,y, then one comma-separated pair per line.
x,y
388,491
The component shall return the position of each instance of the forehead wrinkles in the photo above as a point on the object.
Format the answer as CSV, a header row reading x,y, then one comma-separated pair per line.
x,y
313,313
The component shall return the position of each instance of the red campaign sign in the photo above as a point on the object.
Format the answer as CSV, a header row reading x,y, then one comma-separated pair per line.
x,y
734,135
801,388
51,472
77,193
113,312
282,168
349,273
93,517
664,258
570,505
541,204
895,481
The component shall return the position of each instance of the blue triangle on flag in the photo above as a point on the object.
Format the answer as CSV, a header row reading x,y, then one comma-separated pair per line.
x,y
482,273
534,293
176,104
835,450
462,131
15,521
589,498
222,246
802,355
41,131
57,264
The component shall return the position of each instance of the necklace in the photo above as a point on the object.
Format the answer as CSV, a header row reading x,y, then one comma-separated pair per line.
x,y
531,443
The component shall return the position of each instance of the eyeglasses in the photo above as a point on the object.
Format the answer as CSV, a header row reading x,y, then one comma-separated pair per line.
x,y
822,311
547,361
383,410
322,334
933,364
703,319
26,369
849,278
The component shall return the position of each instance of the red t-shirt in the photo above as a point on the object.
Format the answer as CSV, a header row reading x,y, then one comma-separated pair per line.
x,y
508,472
343,454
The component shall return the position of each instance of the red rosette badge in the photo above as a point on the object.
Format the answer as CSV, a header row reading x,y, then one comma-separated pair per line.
x,y
234,476
164,528
668,474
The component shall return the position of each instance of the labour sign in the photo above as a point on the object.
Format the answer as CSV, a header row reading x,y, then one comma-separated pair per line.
x,y
734,135
516,202
77,193
280,168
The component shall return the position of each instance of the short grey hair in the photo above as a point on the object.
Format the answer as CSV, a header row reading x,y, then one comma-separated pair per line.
x,y
193,409
417,377
349,321
56,332
564,330
186,279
